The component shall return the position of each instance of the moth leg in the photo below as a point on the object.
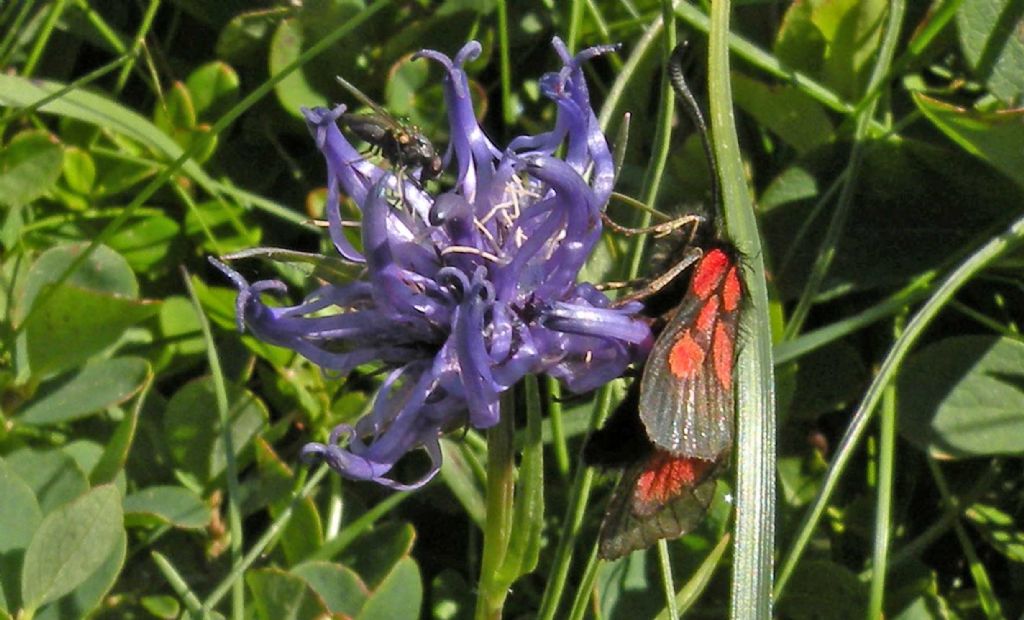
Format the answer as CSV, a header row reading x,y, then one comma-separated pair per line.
x,y
691,256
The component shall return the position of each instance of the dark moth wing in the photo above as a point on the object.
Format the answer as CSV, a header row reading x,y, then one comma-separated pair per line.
x,y
660,496
686,392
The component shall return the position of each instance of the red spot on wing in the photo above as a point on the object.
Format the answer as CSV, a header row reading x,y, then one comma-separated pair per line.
x,y
709,273
706,317
731,290
667,477
722,349
685,357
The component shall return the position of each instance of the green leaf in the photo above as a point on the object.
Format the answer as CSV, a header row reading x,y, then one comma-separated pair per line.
x,y
340,587
400,595
87,597
148,243
793,184
278,595
995,137
115,453
822,587
214,88
796,118
79,170
75,324
998,529
29,166
376,553
71,544
19,511
964,397
243,40
54,476
19,517
174,505
993,44
76,394
162,606
833,40
294,91
176,112
193,432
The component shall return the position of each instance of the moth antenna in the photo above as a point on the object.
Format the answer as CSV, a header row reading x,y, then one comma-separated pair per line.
x,y
692,109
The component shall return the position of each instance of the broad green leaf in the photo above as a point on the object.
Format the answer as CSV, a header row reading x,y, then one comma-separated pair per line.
x,y
149,244
176,112
992,39
280,596
193,430
19,511
71,544
76,324
174,505
791,185
79,170
995,137
87,597
245,38
105,271
374,554
827,379
820,588
76,394
115,453
30,165
798,120
963,397
19,517
214,89
162,606
53,475
998,529
294,91
400,595
86,452
340,587
832,40
179,335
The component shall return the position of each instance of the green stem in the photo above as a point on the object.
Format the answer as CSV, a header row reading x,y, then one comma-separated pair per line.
x,y
231,465
43,38
500,493
883,511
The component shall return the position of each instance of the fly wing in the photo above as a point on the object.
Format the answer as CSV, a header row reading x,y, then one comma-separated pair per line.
x,y
686,392
660,496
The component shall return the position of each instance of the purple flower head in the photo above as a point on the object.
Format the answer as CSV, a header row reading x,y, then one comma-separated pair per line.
x,y
465,291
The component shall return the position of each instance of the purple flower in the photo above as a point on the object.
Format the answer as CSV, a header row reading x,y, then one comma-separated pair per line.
x,y
467,291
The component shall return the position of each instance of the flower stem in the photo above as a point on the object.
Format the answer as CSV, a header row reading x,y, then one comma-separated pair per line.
x,y
500,490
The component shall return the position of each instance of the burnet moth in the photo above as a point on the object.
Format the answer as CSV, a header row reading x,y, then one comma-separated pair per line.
x,y
672,435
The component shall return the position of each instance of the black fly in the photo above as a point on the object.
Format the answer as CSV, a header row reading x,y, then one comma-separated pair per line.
x,y
402,145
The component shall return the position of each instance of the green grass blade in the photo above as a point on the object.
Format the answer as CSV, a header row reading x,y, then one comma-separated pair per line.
x,y
755,426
